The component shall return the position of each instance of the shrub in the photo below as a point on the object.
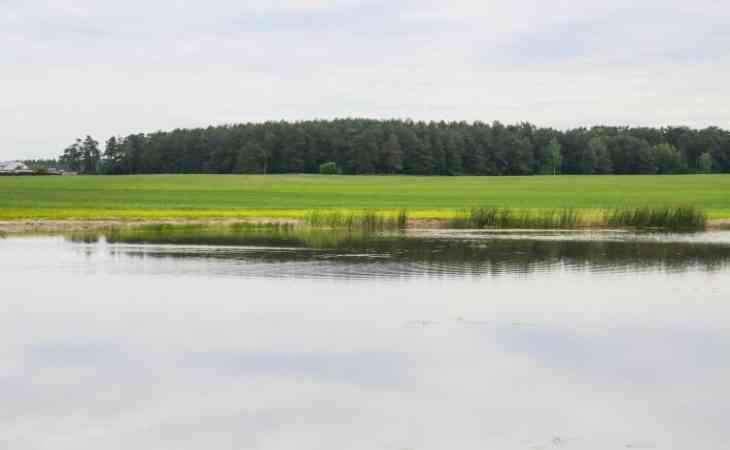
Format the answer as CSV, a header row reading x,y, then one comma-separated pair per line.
x,y
328,168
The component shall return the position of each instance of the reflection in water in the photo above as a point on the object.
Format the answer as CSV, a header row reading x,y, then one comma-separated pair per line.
x,y
272,339
327,253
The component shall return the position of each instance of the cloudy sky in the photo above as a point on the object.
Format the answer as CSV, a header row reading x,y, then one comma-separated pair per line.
x,y
71,67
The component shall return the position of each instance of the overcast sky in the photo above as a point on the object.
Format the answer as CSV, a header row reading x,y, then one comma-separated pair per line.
x,y
71,67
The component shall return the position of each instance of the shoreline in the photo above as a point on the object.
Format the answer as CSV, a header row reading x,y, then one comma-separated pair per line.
x,y
79,225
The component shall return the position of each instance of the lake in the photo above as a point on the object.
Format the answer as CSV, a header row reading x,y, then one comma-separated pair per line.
x,y
189,338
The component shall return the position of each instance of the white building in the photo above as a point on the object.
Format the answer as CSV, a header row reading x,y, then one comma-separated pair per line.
x,y
14,168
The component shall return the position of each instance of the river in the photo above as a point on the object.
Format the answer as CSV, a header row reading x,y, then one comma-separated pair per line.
x,y
283,339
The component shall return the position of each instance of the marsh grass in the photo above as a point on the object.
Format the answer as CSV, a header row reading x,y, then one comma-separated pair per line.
x,y
678,218
402,218
664,218
226,235
367,219
507,218
247,226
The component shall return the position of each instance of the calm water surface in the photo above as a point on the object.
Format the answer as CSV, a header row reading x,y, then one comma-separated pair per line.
x,y
193,339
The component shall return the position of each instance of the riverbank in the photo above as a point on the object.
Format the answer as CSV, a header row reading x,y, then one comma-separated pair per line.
x,y
76,225
60,204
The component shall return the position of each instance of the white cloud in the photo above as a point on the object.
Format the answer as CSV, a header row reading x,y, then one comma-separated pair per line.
x,y
72,67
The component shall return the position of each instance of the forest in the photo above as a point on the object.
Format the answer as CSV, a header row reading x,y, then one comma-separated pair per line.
x,y
367,146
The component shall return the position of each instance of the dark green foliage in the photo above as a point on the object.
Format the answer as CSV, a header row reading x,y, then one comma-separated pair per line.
x,y
90,155
597,151
630,155
44,165
113,158
82,156
71,156
391,158
328,168
252,158
555,156
668,159
365,146
705,163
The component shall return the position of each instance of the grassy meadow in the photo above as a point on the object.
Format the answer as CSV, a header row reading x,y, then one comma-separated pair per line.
x,y
213,196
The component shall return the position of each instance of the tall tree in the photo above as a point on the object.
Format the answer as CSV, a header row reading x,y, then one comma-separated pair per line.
x,y
454,153
113,158
392,155
704,163
668,159
72,156
556,156
631,155
599,148
90,155
417,155
396,146
252,158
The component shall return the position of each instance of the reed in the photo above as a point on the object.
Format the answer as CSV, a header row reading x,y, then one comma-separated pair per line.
x,y
668,218
367,219
506,218
225,235
402,218
663,218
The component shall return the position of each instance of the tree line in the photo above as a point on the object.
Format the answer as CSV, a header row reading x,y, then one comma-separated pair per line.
x,y
365,146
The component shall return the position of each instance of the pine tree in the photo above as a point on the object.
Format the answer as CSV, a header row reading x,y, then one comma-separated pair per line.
x,y
392,160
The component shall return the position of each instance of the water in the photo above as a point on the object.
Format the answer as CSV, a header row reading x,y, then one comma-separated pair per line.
x,y
194,339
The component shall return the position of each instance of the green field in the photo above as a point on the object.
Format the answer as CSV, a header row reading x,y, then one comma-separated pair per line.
x,y
194,196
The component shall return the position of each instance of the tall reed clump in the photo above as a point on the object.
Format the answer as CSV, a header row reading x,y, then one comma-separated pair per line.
x,y
667,218
664,218
402,221
506,218
368,219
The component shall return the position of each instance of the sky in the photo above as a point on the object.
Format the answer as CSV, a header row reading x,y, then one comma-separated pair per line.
x,y
101,67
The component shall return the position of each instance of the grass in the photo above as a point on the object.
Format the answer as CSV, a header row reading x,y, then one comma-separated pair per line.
x,y
663,218
682,218
507,218
235,235
368,219
241,196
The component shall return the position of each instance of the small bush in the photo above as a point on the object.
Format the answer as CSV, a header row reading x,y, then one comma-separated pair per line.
x,y
328,168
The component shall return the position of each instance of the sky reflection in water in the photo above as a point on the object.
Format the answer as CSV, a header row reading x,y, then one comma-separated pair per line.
x,y
173,340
